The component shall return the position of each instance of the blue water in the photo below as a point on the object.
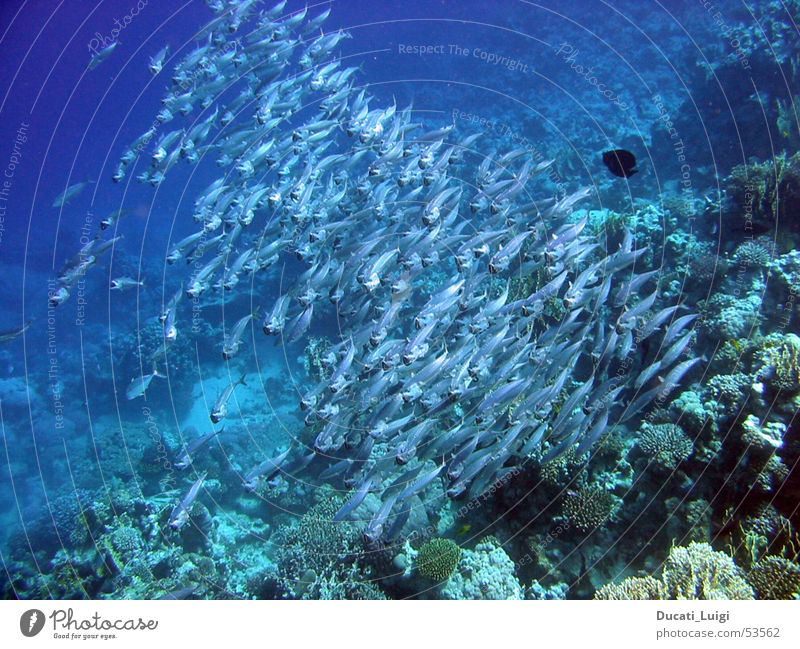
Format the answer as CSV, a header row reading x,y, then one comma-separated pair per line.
x,y
692,90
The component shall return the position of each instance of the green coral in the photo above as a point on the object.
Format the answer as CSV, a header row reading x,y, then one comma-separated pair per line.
x,y
776,578
438,559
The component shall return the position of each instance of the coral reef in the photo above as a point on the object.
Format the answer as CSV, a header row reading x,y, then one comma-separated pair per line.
x,y
486,572
699,572
754,254
715,461
763,197
692,572
317,557
728,317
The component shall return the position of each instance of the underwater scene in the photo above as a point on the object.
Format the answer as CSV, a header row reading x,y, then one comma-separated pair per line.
x,y
437,299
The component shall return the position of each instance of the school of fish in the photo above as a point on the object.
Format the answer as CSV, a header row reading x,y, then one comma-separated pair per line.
x,y
480,329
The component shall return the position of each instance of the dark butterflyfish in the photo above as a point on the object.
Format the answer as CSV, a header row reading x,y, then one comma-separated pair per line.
x,y
620,162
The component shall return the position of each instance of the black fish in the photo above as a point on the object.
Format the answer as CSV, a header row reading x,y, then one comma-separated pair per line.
x,y
620,162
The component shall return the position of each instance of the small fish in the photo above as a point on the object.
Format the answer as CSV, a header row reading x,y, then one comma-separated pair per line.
x,y
139,384
181,593
111,219
170,329
620,162
234,340
185,459
266,470
421,483
102,55
124,283
58,296
374,530
180,515
10,334
70,192
220,410
157,62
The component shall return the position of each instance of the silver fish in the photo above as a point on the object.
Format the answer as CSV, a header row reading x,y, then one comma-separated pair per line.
x,y
180,514
220,409
70,192
138,385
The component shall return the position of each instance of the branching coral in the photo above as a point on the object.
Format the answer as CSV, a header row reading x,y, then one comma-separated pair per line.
x,y
699,572
666,444
633,588
126,539
589,507
317,541
692,572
